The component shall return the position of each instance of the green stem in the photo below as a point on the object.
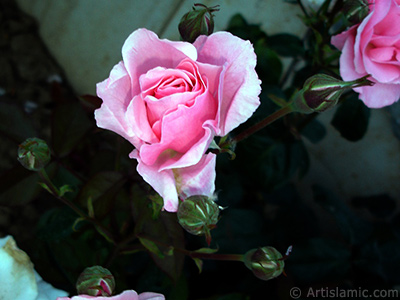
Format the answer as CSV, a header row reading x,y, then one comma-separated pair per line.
x,y
195,254
55,192
214,256
263,123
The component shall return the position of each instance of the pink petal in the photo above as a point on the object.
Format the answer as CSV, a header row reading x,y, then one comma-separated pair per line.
x,y
106,119
241,86
346,63
378,64
198,179
151,296
143,51
162,182
379,95
181,129
136,116
116,95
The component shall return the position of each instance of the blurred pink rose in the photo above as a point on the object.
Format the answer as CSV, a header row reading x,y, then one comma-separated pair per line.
x,y
373,47
169,99
126,295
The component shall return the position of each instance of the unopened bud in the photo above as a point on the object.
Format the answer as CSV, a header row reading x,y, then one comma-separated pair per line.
x,y
198,215
95,281
33,154
321,92
197,22
266,263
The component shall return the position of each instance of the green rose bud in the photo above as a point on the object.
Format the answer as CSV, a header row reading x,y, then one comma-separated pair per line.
x,y
95,281
198,215
197,22
266,263
33,154
321,92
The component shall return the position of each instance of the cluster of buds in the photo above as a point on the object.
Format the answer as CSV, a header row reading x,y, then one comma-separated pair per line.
x,y
199,21
321,92
198,215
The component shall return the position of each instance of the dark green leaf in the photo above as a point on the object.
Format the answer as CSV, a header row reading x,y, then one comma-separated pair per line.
x,y
14,124
318,260
165,230
381,206
151,246
57,223
69,126
354,229
269,66
18,186
382,259
351,118
239,27
286,45
314,131
102,188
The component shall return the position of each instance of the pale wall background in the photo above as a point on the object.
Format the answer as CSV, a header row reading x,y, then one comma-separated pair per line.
x,y
86,37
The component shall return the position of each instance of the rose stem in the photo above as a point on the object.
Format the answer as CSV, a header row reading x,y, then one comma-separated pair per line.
x,y
263,123
54,191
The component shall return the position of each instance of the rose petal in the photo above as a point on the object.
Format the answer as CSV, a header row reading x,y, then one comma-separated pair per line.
x,y
116,95
162,182
241,86
143,51
136,116
191,119
151,296
379,95
198,179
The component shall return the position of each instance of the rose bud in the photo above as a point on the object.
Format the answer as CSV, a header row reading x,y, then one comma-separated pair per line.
x,y
266,263
33,154
321,92
197,22
95,281
198,215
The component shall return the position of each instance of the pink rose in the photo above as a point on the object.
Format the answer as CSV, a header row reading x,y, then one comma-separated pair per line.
x,y
126,295
373,47
169,99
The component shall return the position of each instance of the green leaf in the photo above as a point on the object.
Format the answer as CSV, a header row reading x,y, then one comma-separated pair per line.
x,y
269,66
70,124
46,187
90,207
381,259
102,188
18,186
14,124
351,118
286,45
206,250
57,224
151,246
239,27
354,229
314,131
319,259
381,206
65,189
165,230
199,263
